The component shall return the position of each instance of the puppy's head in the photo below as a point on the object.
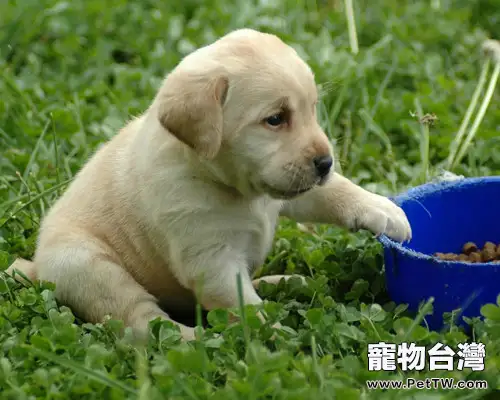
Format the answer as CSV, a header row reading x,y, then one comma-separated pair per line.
x,y
247,103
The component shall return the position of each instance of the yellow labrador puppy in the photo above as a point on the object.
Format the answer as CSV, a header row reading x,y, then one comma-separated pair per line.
x,y
187,196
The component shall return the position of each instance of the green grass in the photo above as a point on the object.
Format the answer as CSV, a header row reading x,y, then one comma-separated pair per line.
x,y
71,73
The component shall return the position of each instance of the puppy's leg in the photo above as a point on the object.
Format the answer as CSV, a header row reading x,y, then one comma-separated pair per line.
x,y
94,286
220,288
344,203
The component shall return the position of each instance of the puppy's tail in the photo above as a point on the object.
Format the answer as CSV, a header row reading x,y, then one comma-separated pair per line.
x,y
25,267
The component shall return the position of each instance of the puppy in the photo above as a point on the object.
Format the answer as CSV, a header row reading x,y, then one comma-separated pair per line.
x,y
187,196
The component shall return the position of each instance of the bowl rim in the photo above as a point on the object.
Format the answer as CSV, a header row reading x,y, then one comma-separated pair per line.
x,y
426,189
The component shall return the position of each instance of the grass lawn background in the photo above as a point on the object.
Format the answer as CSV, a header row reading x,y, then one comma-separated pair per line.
x,y
72,73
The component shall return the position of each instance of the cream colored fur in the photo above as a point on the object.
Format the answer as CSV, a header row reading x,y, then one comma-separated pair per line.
x,y
188,195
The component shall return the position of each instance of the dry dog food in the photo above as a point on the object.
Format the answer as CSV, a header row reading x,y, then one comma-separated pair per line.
x,y
472,253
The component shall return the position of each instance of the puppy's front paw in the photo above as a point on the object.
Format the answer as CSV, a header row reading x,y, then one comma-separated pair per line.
x,y
380,215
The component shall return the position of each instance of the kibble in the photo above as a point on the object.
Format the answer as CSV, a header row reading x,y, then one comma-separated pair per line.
x,y
475,257
463,257
468,248
490,253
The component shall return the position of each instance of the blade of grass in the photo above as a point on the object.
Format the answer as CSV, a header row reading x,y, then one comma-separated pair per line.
x,y
424,143
339,101
372,126
20,94
376,129
25,185
383,86
455,145
143,379
34,153
36,198
44,204
80,369
436,4
242,310
480,114
6,137
56,150
351,25
419,318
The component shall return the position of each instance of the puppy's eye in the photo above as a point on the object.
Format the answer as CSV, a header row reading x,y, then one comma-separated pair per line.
x,y
276,120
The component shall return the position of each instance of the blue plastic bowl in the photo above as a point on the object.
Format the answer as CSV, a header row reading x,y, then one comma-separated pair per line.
x,y
444,216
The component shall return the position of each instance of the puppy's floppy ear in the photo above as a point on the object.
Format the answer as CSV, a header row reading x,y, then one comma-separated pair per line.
x,y
190,107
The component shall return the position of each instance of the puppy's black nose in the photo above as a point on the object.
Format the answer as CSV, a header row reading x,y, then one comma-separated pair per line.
x,y
323,165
